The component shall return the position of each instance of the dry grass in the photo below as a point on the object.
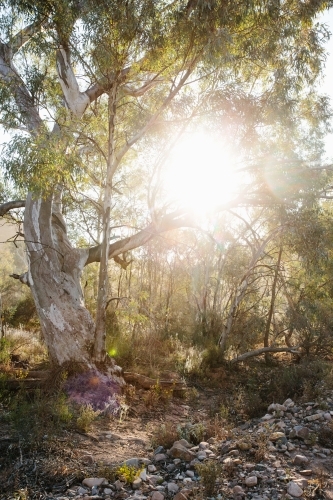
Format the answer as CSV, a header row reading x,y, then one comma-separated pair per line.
x,y
27,345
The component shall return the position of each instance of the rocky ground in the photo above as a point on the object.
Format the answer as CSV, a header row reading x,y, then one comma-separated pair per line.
x,y
288,453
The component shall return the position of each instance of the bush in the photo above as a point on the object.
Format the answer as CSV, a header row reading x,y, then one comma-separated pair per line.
x,y
209,473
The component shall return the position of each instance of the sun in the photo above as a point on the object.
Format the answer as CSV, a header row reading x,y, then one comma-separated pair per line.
x,y
200,173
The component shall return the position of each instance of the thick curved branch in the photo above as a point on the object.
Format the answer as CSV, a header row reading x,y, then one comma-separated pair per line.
x,y
175,220
11,205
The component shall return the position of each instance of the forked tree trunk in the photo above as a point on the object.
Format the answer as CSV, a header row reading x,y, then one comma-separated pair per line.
x,y
54,278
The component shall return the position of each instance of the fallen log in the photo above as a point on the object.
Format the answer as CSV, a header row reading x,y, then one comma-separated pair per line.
x,y
262,350
35,379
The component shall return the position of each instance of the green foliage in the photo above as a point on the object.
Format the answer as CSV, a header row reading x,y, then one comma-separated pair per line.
x,y
128,473
5,351
209,472
86,417
34,416
164,435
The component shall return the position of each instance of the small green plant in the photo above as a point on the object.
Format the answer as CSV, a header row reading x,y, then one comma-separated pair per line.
x,y
193,433
128,473
107,471
86,417
325,435
165,435
209,472
63,409
224,412
5,351
157,395
312,439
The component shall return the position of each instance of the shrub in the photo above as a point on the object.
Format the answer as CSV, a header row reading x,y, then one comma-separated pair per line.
x,y
165,435
209,473
86,417
128,472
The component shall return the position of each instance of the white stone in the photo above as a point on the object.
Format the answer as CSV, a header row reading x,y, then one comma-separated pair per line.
x,y
93,481
137,483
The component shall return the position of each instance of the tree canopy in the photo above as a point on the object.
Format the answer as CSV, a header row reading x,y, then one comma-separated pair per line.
x,y
94,94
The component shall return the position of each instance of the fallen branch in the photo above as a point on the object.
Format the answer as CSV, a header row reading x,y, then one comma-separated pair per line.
x,y
148,383
262,350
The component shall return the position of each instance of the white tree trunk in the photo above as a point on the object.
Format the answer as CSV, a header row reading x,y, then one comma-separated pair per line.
x,y
54,279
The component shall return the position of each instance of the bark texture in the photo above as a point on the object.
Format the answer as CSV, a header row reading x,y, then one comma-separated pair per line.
x,y
54,278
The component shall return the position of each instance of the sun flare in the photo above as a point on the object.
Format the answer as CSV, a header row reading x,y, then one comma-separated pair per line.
x,y
200,173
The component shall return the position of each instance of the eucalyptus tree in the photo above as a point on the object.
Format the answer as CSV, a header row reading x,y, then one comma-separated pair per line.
x,y
85,84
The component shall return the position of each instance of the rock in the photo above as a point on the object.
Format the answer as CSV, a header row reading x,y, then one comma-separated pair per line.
x,y
137,483
275,436
183,442
238,492
107,491
225,447
157,495
151,468
190,473
94,490
172,488
251,481
289,403
132,462
244,445
143,475
118,485
313,418
179,451
82,491
87,459
294,490
327,416
160,457
306,472
203,445
266,417
93,481
300,431
180,496
300,460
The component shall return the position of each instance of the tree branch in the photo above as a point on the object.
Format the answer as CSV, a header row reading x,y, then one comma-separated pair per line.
x,y
10,205
22,277
23,99
262,350
77,102
23,36
174,220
